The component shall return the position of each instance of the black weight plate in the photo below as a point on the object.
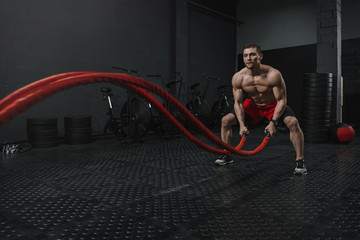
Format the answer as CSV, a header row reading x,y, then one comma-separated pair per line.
x,y
315,96
42,132
316,89
317,112
74,122
41,121
324,84
316,115
39,128
317,75
42,139
78,130
316,101
314,124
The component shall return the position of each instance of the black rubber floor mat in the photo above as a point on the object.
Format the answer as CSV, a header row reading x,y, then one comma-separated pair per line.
x,y
171,189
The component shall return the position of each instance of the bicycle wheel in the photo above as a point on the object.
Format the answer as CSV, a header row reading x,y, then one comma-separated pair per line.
x,y
194,106
219,109
135,118
113,126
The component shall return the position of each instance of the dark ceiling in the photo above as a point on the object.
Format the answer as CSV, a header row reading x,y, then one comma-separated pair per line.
x,y
227,7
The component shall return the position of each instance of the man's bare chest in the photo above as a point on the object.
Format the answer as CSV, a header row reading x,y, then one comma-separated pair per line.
x,y
256,85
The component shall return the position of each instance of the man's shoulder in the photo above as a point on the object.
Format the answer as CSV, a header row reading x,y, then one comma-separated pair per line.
x,y
273,75
241,73
270,70
238,78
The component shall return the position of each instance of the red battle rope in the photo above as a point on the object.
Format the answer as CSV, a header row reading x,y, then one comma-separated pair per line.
x,y
33,93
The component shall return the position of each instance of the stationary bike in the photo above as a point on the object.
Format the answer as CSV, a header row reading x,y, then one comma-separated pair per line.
x,y
134,119
197,103
160,126
223,105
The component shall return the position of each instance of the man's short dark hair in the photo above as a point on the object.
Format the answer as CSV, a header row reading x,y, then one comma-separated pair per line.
x,y
253,45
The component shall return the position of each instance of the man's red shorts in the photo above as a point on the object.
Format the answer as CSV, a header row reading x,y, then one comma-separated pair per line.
x,y
258,113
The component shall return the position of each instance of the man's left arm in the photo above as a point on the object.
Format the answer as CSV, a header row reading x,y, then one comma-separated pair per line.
x,y
279,90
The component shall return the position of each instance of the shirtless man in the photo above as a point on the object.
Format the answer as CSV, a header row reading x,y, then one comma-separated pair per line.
x,y
267,99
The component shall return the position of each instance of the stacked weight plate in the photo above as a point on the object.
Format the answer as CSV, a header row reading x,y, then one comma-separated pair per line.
x,y
77,129
317,89
42,132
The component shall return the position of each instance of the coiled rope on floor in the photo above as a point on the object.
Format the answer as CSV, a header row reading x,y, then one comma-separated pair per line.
x,y
33,93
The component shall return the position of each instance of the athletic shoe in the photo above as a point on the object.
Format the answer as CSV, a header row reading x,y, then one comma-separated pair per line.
x,y
223,160
300,168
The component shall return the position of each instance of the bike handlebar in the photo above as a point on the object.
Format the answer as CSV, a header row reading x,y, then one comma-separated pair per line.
x,y
155,75
172,83
211,77
126,70
120,68
179,74
105,90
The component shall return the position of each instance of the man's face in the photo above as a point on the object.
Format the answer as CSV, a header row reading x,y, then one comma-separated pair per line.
x,y
251,58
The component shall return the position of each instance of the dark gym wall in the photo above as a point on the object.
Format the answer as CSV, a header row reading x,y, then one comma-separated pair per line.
x,y
276,24
41,38
212,50
282,23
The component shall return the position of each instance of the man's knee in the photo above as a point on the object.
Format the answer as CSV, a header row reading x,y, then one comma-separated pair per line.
x,y
228,120
292,123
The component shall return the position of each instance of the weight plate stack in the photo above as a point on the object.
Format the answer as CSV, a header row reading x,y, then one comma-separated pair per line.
x,y
77,129
42,132
317,90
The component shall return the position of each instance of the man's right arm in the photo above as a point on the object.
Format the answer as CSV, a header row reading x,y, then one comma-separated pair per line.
x,y
239,102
